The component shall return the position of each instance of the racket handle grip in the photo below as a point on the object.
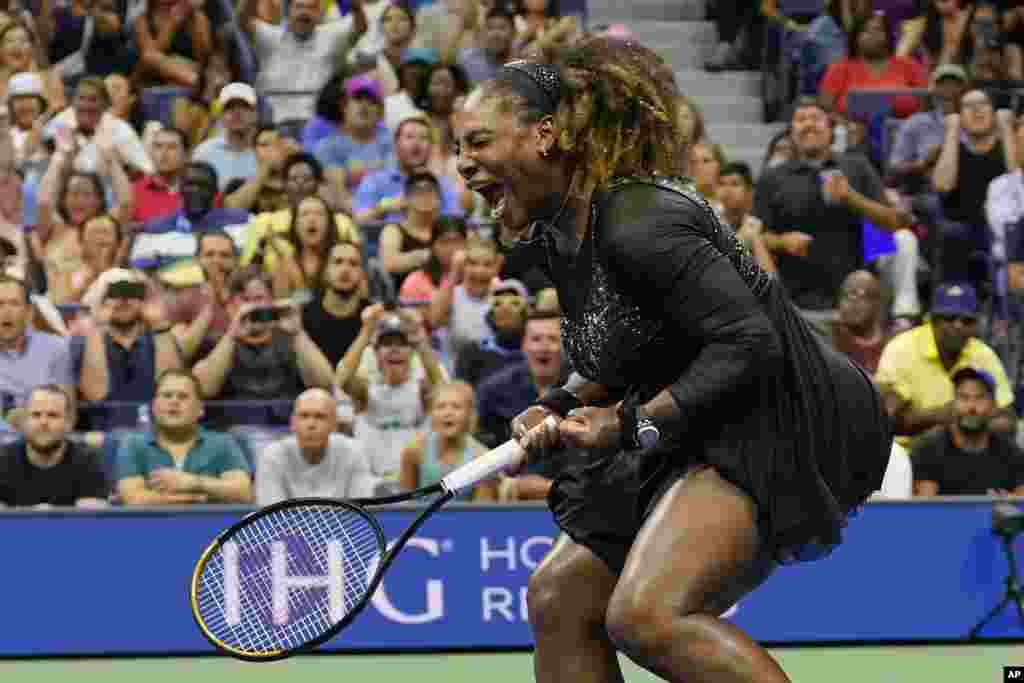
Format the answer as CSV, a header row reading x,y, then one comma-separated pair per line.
x,y
506,456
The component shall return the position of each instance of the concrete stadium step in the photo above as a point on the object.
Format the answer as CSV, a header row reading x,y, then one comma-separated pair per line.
x,y
667,34
732,109
737,135
752,156
603,11
699,83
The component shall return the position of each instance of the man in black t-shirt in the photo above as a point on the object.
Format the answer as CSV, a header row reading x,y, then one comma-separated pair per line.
x,y
333,321
45,469
965,457
973,154
814,208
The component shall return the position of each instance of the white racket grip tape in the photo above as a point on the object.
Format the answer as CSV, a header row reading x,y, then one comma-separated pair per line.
x,y
505,457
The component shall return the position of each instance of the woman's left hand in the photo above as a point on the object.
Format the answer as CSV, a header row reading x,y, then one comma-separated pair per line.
x,y
591,428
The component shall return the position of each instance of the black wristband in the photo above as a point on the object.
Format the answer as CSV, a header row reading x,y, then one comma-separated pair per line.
x,y
627,424
560,401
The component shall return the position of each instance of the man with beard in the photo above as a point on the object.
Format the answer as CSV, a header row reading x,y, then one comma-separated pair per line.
x,y
334,320
160,194
379,196
916,368
858,331
46,469
233,154
173,237
200,310
966,458
138,343
178,461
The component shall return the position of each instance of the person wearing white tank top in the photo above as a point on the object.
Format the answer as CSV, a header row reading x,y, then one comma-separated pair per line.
x,y
388,411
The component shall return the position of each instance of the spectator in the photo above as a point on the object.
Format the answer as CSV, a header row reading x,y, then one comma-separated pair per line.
x,y
173,237
175,41
1013,31
92,131
233,154
919,139
333,318
444,89
398,27
735,21
977,148
179,461
137,342
691,120
29,358
315,461
363,145
125,104
965,458
92,38
858,331
26,105
197,113
461,302
780,150
67,201
260,359
303,252
264,191
870,64
46,469
199,311
303,177
1004,211
916,367
705,167
159,194
19,53
401,104
379,196
814,208
506,317
447,237
102,247
736,195
405,247
389,411
329,112
302,54
540,26
447,445
941,28
512,390
481,63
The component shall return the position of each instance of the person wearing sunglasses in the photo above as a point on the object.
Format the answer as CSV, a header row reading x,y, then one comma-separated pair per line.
x,y
916,368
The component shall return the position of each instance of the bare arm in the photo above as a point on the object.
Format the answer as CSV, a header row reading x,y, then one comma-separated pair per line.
x,y
133,491
247,15
95,375
393,258
409,472
530,487
944,177
213,370
165,352
202,37
882,215
313,365
925,488
911,34
233,486
245,196
348,369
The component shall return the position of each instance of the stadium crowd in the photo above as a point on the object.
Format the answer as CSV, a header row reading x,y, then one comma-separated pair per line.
x,y
240,264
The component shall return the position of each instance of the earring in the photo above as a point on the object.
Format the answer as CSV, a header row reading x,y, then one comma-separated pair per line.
x,y
545,152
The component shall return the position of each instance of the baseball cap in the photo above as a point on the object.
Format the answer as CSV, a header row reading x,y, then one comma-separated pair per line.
x,y
25,85
237,91
511,286
948,71
982,376
363,85
390,326
955,298
420,55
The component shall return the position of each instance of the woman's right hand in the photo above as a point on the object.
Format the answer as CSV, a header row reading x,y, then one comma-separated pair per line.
x,y
533,431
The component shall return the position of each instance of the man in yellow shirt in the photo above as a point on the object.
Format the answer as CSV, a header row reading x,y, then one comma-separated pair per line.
x,y
916,368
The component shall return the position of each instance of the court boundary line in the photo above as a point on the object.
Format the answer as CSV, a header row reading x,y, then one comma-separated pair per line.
x,y
370,652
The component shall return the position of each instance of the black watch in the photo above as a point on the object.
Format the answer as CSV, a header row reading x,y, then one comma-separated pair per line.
x,y
647,433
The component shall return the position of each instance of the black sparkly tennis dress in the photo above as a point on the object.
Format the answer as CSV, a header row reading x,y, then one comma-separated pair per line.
x,y
661,295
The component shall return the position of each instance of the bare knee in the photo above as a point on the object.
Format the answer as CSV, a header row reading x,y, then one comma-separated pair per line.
x,y
568,593
645,628
546,598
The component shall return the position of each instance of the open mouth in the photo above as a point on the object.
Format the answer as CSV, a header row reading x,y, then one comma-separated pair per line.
x,y
494,195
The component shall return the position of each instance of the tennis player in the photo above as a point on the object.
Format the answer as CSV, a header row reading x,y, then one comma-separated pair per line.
x,y
758,440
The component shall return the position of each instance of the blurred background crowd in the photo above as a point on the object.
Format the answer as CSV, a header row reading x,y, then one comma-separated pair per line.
x,y
240,264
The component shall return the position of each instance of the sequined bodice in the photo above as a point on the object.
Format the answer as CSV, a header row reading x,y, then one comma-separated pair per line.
x,y
612,339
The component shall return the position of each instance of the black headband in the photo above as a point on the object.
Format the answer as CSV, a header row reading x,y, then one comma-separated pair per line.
x,y
540,84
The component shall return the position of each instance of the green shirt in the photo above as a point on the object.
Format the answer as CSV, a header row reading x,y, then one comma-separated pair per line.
x,y
211,455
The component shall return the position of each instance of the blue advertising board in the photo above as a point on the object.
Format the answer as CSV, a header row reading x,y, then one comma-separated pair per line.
x,y
116,582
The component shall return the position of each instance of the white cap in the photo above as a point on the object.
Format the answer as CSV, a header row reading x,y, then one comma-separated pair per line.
x,y
237,91
25,84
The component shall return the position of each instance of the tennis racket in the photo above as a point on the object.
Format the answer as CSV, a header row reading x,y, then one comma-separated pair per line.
x,y
292,575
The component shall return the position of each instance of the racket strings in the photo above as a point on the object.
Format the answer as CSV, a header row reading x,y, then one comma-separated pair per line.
x,y
285,579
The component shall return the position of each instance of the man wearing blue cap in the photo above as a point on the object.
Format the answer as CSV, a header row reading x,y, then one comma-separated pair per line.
x,y
916,370
966,458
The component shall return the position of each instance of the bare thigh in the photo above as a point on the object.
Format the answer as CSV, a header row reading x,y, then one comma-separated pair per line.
x,y
699,551
572,586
